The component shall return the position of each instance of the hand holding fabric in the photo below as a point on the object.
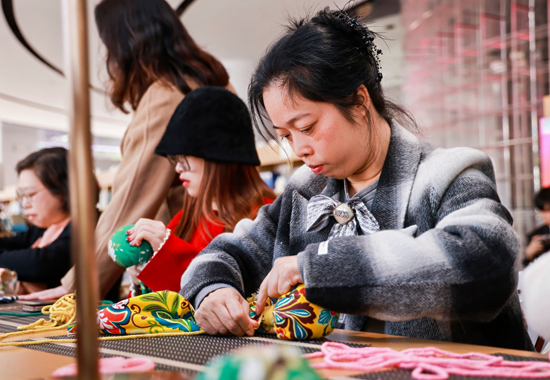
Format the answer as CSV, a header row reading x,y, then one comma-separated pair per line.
x,y
284,276
146,229
292,316
225,311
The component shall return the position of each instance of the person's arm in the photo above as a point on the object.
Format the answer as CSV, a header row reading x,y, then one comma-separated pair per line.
x,y
231,267
240,259
44,265
462,267
21,239
141,183
533,249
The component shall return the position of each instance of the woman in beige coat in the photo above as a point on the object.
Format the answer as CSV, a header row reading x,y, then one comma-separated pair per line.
x,y
152,62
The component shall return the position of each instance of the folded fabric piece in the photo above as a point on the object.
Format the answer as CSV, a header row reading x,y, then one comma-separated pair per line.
x,y
127,255
292,316
152,313
265,362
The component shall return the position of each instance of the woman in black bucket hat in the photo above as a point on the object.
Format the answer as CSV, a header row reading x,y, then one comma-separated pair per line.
x,y
210,141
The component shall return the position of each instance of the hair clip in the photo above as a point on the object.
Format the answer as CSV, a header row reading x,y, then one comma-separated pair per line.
x,y
366,36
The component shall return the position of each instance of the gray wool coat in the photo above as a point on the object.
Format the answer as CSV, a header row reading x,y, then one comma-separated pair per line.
x,y
441,267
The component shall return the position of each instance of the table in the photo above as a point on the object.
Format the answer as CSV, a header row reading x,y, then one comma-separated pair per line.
x,y
23,363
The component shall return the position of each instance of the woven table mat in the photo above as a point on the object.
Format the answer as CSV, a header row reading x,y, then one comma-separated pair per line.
x,y
189,354
9,323
186,354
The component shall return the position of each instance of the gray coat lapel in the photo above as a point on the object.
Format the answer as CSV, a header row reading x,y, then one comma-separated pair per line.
x,y
396,180
391,199
299,238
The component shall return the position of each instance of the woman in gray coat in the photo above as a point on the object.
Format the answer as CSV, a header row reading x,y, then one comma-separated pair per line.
x,y
402,237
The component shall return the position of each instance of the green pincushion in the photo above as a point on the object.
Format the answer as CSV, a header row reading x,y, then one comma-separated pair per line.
x,y
127,255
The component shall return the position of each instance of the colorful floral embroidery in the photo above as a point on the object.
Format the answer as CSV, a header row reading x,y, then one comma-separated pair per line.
x,y
291,317
147,314
294,317
293,313
328,319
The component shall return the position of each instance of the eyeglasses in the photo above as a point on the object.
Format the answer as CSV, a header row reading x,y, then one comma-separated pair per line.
x,y
28,196
181,160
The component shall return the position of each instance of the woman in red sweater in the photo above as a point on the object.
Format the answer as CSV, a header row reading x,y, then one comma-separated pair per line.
x,y
210,141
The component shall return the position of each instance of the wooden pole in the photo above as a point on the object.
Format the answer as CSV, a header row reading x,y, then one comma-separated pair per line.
x,y
82,192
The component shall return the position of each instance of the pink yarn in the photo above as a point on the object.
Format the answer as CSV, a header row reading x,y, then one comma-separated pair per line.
x,y
111,365
427,363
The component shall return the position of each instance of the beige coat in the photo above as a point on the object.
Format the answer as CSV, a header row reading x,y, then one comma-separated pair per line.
x,y
143,184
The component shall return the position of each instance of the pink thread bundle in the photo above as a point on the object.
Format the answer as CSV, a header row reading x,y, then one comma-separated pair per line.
x,y
427,363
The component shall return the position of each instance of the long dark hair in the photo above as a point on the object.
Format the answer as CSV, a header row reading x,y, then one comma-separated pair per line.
x,y
146,42
237,190
323,59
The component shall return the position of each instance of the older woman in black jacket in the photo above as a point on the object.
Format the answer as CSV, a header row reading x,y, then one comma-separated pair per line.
x,y
41,256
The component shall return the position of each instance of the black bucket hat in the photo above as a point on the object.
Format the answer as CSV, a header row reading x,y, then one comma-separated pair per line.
x,y
211,123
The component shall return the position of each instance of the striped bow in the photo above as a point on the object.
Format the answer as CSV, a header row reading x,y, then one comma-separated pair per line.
x,y
321,208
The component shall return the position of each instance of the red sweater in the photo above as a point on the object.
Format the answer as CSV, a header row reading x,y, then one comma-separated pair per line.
x,y
164,270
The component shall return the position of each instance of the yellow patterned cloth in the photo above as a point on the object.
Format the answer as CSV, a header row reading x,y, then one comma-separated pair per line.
x,y
291,317
152,313
294,317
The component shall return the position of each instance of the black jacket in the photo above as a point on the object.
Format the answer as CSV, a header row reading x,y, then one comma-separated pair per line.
x,y
44,265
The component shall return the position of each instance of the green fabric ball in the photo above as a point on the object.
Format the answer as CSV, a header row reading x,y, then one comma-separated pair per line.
x,y
273,361
127,255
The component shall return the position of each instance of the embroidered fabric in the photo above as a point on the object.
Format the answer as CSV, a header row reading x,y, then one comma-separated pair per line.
x,y
292,316
137,289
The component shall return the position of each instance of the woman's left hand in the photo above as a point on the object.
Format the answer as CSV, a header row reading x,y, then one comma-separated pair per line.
x,y
284,275
146,229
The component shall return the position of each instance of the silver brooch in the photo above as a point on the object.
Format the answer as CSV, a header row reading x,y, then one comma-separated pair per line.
x,y
343,213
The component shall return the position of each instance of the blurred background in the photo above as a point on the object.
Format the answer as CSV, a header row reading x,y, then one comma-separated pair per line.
x,y
474,73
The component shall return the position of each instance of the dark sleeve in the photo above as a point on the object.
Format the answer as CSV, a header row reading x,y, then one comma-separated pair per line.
x,y
45,265
21,239
543,230
240,259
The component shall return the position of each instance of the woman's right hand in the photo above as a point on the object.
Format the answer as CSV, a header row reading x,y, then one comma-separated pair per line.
x,y
225,311
147,229
535,248
48,294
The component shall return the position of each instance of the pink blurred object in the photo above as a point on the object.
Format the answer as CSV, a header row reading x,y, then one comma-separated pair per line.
x,y
427,363
111,365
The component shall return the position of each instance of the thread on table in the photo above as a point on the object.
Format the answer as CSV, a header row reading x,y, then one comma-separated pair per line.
x,y
103,338
62,313
428,363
